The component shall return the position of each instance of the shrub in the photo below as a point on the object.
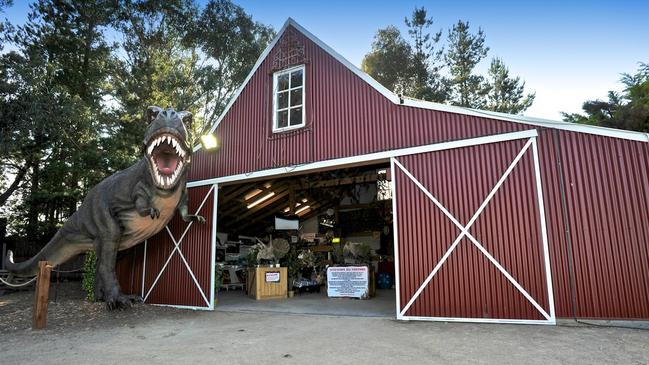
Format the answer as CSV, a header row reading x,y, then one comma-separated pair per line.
x,y
89,271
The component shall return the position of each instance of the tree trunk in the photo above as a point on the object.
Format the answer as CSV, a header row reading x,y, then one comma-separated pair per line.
x,y
14,185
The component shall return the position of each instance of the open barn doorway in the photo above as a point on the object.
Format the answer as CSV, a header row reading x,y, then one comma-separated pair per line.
x,y
291,239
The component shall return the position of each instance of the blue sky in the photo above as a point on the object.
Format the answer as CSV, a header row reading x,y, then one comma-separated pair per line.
x,y
566,52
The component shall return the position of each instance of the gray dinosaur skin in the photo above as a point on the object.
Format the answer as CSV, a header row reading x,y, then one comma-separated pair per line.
x,y
123,210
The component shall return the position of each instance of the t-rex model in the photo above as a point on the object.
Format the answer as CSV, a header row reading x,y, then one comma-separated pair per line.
x,y
126,208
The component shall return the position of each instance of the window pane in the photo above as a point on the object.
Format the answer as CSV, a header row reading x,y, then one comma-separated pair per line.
x,y
282,119
282,82
282,100
296,97
296,116
296,78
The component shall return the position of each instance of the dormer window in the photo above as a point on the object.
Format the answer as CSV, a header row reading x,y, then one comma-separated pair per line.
x,y
288,99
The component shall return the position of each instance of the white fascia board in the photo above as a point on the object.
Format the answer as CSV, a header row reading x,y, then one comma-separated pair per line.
x,y
396,99
366,159
573,127
521,119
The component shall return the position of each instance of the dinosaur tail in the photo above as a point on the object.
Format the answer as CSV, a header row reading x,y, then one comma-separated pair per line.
x,y
57,251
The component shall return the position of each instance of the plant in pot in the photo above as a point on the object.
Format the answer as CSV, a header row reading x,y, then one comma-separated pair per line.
x,y
293,269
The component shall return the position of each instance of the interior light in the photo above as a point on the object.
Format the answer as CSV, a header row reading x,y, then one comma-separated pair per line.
x,y
302,209
335,240
252,194
261,200
304,200
209,141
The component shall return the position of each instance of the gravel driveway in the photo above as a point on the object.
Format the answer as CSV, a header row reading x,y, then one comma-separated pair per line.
x,y
80,333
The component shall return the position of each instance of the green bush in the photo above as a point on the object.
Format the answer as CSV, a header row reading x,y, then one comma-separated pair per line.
x,y
89,270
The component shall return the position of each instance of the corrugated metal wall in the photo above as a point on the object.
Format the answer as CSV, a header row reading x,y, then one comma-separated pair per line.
x,y
345,117
607,200
129,269
468,285
175,285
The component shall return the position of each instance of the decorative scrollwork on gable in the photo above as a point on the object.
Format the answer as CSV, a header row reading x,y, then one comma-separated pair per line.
x,y
289,51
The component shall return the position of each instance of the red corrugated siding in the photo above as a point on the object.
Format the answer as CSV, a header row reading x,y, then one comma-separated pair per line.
x,y
606,183
345,117
468,285
175,286
129,269
607,196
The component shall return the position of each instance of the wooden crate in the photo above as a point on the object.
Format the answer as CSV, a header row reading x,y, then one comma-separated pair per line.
x,y
259,288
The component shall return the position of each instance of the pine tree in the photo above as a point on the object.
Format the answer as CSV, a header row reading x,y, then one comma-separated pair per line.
x,y
506,94
465,51
427,83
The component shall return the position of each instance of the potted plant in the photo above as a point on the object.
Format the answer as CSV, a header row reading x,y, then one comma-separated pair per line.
x,y
293,269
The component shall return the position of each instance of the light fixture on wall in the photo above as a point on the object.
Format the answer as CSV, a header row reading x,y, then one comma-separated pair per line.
x,y
209,141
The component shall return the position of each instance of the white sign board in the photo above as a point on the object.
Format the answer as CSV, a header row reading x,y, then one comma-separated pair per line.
x,y
286,224
272,277
348,282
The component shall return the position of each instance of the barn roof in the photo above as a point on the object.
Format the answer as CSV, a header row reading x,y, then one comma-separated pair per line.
x,y
405,101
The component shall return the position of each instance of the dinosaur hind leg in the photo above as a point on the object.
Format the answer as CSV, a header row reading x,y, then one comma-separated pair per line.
x,y
106,285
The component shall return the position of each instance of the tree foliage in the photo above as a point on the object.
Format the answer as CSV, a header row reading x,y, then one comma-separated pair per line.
x,y
390,52
627,110
426,81
465,51
424,67
506,94
77,77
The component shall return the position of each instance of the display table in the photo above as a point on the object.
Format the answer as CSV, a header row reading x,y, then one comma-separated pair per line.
x,y
267,283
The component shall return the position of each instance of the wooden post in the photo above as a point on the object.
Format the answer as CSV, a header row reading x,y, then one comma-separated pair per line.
x,y
41,297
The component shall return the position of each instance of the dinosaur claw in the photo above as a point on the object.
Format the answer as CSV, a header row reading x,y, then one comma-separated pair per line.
x,y
154,213
122,302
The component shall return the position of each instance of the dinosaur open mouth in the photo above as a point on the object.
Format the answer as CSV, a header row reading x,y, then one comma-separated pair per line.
x,y
167,156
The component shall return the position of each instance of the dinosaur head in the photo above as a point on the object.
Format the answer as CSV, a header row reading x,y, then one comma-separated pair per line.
x,y
166,148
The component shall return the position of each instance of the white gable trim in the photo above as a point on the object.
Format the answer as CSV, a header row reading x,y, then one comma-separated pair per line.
x,y
581,128
370,158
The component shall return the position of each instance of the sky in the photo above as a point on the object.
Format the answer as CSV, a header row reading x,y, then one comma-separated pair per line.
x,y
567,52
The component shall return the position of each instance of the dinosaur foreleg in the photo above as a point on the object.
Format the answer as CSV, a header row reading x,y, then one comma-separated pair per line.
x,y
184,210
106,285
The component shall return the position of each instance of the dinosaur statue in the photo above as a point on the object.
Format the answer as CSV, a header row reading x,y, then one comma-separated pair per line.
x,y
126,208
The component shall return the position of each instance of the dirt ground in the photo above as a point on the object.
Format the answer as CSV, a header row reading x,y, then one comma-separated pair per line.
x,y
80,332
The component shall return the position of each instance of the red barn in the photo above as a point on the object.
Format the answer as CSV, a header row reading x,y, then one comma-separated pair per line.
x,y
494,217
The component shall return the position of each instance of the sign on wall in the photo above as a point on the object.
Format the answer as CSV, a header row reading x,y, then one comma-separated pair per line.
x,y
348,282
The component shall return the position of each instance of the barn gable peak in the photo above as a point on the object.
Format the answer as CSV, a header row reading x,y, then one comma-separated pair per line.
x,y
291,52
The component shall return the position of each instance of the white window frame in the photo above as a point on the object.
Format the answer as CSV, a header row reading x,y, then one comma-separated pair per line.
x,y
276,75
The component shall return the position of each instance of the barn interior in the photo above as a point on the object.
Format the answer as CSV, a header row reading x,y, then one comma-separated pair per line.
x,y
301,231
